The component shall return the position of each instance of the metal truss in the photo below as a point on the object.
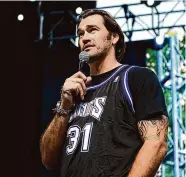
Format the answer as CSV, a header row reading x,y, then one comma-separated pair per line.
x,y
61,23
54,24
133,21
172,74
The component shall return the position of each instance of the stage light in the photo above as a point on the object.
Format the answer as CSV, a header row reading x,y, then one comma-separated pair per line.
x,y
150,2
182,102
20,17
159,40
147,55
78,10
153,64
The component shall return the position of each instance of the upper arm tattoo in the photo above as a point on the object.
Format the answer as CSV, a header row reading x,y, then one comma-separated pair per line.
x,y
153,129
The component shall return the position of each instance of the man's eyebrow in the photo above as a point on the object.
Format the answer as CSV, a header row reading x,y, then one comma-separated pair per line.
x,y
88,26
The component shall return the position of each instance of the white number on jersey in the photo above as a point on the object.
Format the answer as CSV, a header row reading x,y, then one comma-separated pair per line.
x,y
74,133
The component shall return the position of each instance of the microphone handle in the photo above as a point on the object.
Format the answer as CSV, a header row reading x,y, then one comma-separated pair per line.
x,y
81,63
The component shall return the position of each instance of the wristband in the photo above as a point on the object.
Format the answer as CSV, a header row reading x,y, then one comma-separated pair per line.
x,y
61,111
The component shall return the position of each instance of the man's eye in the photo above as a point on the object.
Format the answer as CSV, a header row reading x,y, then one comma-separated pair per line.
x,y
92,30
80,34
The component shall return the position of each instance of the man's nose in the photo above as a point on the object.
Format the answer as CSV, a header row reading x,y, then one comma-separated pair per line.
x,y
86,37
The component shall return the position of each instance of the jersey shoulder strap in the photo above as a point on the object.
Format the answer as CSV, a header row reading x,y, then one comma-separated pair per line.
x,y
125,88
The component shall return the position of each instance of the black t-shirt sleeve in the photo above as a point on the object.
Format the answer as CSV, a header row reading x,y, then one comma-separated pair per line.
x,y
147,94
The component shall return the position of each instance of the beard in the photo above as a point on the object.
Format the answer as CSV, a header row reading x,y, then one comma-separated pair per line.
x,y
97,56
101,53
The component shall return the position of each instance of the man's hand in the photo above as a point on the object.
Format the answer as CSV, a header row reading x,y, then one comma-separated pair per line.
x,y
54,137
74,86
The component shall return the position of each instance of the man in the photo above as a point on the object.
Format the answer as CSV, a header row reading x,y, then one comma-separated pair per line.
x,y
118,127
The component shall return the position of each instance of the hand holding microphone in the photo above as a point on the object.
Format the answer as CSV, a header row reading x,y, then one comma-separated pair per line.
x,y
75,86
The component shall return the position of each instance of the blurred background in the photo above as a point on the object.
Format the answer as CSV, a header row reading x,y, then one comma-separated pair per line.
x,y
40,39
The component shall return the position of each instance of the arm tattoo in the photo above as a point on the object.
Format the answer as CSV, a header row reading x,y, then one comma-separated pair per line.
x,y
153,129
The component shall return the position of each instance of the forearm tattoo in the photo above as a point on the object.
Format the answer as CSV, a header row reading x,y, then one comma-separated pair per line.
x,y
153,129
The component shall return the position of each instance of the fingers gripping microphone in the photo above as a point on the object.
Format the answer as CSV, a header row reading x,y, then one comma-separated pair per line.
x,y
83,58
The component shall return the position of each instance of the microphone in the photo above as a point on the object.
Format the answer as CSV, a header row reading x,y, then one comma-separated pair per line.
x,y
83,58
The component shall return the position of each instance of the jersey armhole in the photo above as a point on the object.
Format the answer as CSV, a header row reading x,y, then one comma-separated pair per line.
x,y
126,90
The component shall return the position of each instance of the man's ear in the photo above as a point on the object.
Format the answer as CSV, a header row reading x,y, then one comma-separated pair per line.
x,y
115,38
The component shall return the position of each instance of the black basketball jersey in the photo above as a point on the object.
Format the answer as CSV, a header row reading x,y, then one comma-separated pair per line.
x,y
102,138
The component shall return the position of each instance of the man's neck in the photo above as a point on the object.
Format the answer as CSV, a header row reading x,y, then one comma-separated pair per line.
x,y
103,66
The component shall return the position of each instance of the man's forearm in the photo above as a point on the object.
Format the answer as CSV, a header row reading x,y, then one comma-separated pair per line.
x,y
52,141
148,160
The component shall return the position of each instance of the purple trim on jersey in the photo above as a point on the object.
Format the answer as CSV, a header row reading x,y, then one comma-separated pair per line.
x,y
126,89
101,84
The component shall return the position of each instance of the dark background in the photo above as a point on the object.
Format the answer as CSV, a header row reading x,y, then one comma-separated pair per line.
x,y
32,75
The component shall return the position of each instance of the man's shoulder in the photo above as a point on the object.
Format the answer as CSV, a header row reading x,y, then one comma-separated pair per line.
x,y
140,72
139,69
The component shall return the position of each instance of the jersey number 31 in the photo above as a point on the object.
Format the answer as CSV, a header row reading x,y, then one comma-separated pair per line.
x,y
74,134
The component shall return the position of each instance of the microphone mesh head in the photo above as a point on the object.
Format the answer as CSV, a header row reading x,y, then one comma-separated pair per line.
x,y
84,56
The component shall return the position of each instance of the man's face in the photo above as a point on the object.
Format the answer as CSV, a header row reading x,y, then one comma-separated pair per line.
x,y
94,38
